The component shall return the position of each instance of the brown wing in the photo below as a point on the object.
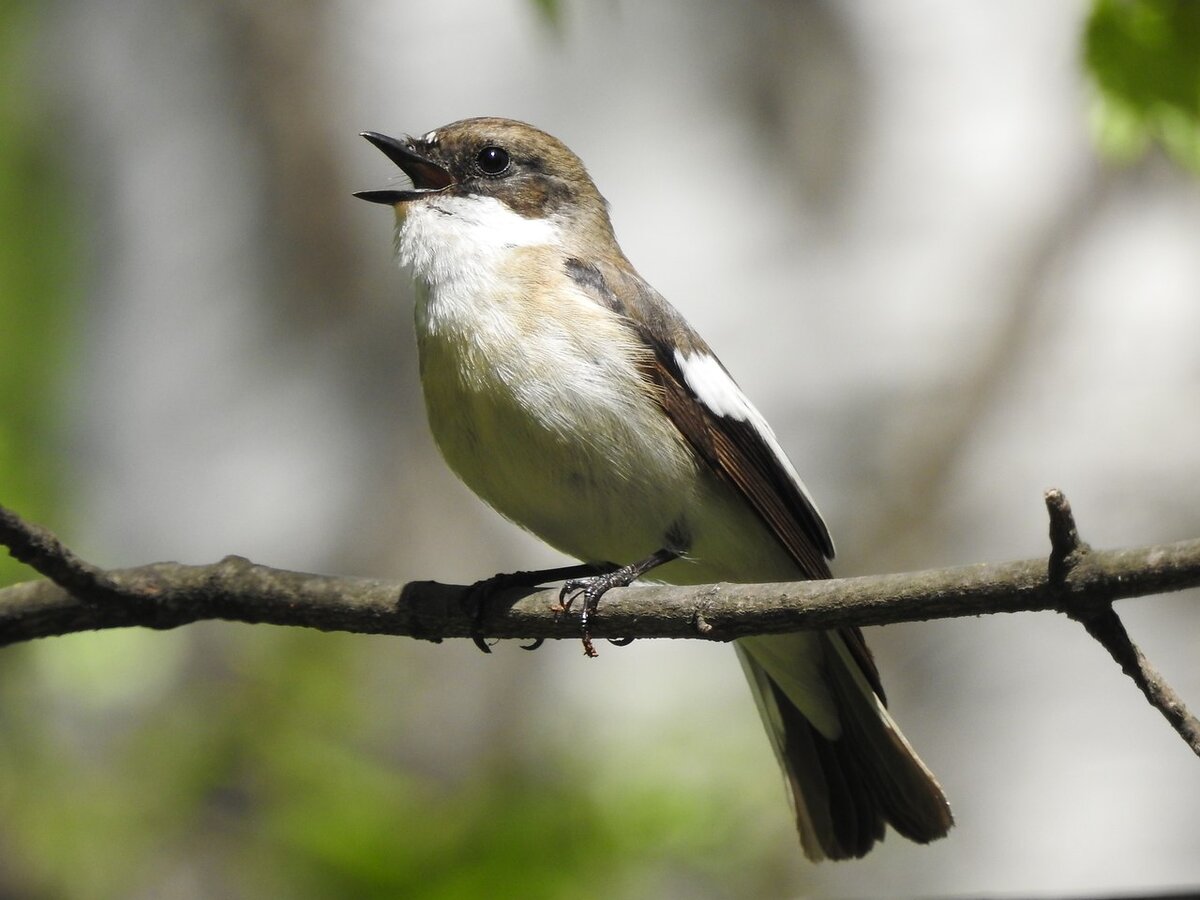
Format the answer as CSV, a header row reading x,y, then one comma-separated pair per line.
x,y
736,448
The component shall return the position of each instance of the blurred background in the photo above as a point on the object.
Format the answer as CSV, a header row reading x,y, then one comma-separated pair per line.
x,y
951,250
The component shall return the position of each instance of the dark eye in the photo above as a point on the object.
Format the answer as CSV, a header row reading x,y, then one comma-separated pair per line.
x,y
492,160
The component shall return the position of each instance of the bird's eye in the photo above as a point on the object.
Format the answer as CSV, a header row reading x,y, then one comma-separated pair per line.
x,y
492,160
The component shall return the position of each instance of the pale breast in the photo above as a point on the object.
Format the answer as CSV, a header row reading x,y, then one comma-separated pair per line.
x,y
535,400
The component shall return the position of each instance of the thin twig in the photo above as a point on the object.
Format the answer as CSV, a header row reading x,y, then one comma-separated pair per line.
x,y
1065,546
42,551
1067,550
1106,627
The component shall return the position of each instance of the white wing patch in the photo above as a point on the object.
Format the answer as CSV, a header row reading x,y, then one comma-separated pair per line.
x,y
714,388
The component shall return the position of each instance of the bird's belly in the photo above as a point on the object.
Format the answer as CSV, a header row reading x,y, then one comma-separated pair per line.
x,y
602,477
573,451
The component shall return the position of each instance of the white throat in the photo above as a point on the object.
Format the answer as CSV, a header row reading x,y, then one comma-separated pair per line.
x,y
455,239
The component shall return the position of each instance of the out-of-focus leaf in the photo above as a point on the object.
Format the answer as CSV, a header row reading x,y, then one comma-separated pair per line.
x,y
550,10
36,257
1144,56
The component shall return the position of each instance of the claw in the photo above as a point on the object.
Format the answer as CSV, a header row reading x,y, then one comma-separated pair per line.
x,y
533,645
475,601
591,589
569,591
597,586
475,605
482,643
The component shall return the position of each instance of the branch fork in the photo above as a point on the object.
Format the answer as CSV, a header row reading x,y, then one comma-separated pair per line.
x,y
1067,552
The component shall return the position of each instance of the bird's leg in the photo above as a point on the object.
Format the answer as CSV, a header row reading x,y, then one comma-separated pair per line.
x,y
594,587
478,595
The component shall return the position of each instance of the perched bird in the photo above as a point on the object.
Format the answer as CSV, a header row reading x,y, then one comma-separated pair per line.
x,y
569,395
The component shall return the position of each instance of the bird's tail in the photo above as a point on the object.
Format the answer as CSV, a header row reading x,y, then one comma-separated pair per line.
x,y
857,772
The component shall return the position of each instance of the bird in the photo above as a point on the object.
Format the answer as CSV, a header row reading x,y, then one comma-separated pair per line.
x,y
570,396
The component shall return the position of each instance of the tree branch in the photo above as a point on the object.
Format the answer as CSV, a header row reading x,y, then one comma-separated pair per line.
x,y
1076,580
1067,552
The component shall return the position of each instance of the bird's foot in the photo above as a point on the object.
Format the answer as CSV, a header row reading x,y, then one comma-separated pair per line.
x,y
593,588
476,602
478,598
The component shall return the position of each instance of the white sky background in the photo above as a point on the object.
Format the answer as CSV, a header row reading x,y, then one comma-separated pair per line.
x,y
852,264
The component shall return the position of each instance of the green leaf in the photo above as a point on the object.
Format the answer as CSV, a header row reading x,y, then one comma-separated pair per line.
x,y
1144,57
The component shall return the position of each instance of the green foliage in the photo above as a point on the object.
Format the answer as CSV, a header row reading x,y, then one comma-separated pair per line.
x,y
35,265
254,762
1144,56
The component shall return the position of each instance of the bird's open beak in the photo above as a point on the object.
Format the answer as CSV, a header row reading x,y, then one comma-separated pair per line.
x,y
426,175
